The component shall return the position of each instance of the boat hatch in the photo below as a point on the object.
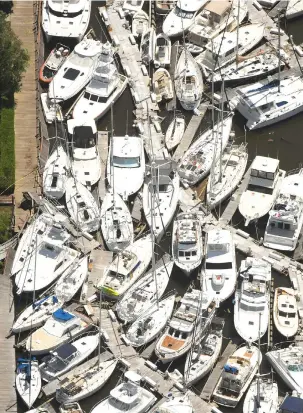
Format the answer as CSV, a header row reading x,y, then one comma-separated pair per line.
x,y
71,74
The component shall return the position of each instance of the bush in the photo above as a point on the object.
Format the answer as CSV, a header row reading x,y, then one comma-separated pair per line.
x,y
7,148
5,223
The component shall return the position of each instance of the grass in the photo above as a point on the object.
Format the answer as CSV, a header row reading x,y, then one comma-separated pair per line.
x,y
7,146
5,223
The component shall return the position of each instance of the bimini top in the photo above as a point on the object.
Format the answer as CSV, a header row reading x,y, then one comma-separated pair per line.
x,y
62,315
292,404
218,7
264,164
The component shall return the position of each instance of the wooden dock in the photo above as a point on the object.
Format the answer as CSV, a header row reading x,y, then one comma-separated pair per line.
x,y
103,147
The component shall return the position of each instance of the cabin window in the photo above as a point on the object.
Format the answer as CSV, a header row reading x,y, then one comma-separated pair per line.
x,y
284,102
71,74
280,225
260,189
194,253
270,175
229,52
254,172
262,174
61,14
121,162
218,265
181,253
58,265
266,107
291,315
287,227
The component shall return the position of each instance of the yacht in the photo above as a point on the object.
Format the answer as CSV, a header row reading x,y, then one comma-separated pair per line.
x,y
252,299
86,162
52,64
132,6
68,18
140,23
263,188
187,242
148,45
219,273
286,218
162,50
72,279
269,101
162,85
76,71
285,311
262,396
288,363
176,403
28,380
55,173
294,9
126,165
175,131
237,374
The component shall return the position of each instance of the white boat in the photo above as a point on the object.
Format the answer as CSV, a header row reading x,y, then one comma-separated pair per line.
x,y
160,196
132,6
70,282
149,325
116,222
162,85
219,273
288,363
65,19
67,356
226,175
52,111
294,9
269,101
145,292
62,327
267,392
188,82
187,242
197,160
175,131
82,206
128,396
126,165
164,6
140,23
76,71
28,380
55,173
223,49
262,189
237,374
286,218
252,299
53,63
162,50
176,403
285,311
147,47
127,267
193,48
70,408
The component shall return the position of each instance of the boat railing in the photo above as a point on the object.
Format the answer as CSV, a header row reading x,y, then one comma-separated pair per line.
x,y
293,171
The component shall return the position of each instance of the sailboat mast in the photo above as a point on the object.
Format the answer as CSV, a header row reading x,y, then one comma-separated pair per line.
x,y
99,344
112,179
212,130
279,52
237,43
152,209
221,139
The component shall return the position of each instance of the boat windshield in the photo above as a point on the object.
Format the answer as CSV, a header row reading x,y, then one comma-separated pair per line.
x,y
122,162
84,137
256,308
219,265
183,14
64,13
286,315
260,189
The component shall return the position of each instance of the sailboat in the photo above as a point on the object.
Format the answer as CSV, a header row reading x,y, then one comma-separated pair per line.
x,y
55,173
162,50
140,23
28,380
162,85
72,279
175,131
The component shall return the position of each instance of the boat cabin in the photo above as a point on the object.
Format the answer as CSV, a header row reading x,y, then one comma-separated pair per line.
x,y
123,267
235,373
101,86
218,256
187,239
61,323
263,174
60,358
126,152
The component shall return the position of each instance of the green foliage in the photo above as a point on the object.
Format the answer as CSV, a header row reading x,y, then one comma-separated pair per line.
x,y
7,147
5,223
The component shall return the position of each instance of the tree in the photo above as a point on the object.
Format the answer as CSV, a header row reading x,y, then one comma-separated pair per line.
x,y
14,59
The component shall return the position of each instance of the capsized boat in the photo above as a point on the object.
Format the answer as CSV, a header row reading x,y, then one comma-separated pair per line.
x,y
72,279
55,173
175,131
262,395
285,311
140,23
132,6
162,50
162,85
28,380
53,63
148,44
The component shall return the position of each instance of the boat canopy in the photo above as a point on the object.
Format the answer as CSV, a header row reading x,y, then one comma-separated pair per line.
x,y
62,315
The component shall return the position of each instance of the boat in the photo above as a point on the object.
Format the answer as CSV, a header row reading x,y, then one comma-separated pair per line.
x,y
127,267
51,110
263,188
219,272
162,85
196,163
291,404
62,327
70,408
76,71
162,50
82,206
55,173
147,47
187,242
175,403
223,49
188,82
226,175
164,6
140,23
145,292
288,363
285,311
132,6
65,19
54,61
252,299
268,397
294,9
116,222
286,217
28,380
67,356
127,396
236,376
126,165
160,195
149,325
72,279
175,131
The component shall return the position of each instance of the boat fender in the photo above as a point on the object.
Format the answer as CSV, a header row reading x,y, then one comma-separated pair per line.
x,y
116,41
242,233
112,315
257,5
151,365
153,97
121,13
105,16
87,235
157,127
104,335
132,39
217,97
144,70
179,386
299,50
127,71
215,410
136,97
275,256
140,128
125,363
125,339
150,382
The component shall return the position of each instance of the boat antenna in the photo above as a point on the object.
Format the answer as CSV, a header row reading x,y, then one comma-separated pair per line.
x,y
279,52
237,42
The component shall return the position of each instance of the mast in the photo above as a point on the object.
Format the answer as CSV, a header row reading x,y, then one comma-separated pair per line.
x,y
221,140
279,53
112,179
213,139
99,344
237,43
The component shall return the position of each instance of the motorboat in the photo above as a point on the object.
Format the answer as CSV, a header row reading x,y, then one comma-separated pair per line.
x,y
116,222
54,61
126,165
286,218
252,299
237,374
175,403
175,131
82,206
127,267
162,85
263,188
226,174
187,242
132,6
196,163
67,356
55,173
147,47
145,292
219,272
28,380
140,23
51,110
269,101
188,82
162,50
70,408
294,9
68,19
71,280
285,311
288,363
76,71
164,6
262,394
149,325
160,196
